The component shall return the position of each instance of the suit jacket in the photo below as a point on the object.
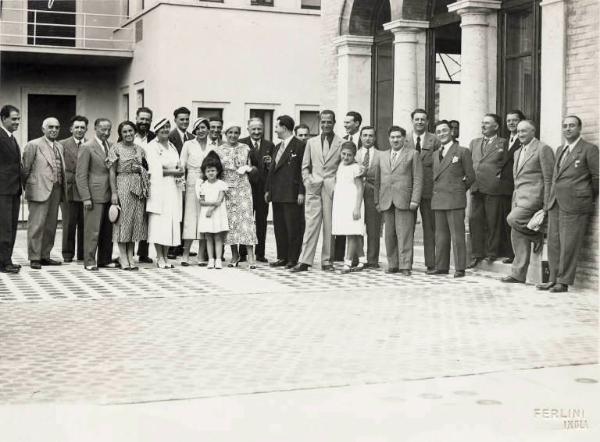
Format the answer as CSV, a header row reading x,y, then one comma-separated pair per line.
x,y
429,144
10,165
176,140
533,178
71,150
316,168
92,175
507,168
452,177
38,170
398,184
284,182
258,177
575,184
371,172
488,166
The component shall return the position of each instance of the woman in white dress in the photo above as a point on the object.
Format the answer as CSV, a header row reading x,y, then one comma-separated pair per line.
x,y
192,156
347,214
164,203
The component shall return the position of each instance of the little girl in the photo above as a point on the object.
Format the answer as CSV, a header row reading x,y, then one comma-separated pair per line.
x,y
213,222
347,218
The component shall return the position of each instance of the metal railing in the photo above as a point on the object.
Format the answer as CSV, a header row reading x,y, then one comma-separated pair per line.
x,y
83,30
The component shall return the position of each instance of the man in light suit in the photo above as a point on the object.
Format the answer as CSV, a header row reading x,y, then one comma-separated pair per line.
x,y
72,208
426,144
319,167
367,158
453,174
44,178
574,188
490,195
10,186
534,163
398,187
93,185
285,190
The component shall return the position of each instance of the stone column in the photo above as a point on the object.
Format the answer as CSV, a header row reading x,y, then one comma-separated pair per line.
x,y
474,91
354,76
406,78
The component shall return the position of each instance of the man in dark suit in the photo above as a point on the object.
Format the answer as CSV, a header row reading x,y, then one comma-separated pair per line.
x,y
426,144
284,188
513,118
261,154
398,187
490,195
453,174
302,132
143,121
72,207
574,188
93,185
10,186
43,176
534,163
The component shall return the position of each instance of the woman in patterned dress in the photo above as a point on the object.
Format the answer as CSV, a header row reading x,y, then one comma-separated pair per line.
x,y
192,156
238,198
129,186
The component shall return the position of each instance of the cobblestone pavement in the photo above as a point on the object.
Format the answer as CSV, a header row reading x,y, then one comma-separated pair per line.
x,y
122,337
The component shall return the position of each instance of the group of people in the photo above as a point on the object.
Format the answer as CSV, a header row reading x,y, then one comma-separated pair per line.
x,y
172,186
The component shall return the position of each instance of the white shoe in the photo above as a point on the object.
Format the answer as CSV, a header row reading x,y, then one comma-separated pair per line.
x,y
218,264
211,264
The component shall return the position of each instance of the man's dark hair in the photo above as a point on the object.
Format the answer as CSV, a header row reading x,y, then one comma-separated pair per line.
x,y
440,122
6,110
181,110
286,121
80,118
518,113
369,128
211,119
418,111
356,116
301,126
101,120
397,129
143,109
495,117
576,118
327,112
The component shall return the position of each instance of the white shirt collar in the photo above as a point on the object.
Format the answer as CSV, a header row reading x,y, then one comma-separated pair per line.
x,y
572,145
51,143
416,135
490,139
7,131
447,147
181,134
513,138
99,141
286,141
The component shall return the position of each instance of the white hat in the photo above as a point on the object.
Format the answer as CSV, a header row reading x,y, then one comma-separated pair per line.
x,y
198,122
113,213
231,126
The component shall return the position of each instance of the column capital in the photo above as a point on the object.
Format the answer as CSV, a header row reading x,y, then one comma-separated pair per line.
x,y
462,7
354,45
405,31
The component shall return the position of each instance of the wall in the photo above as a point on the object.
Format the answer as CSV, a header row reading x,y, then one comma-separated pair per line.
x,y
582,98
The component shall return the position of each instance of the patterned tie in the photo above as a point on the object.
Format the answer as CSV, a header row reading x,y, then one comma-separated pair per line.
x,y
484,144
394,158
522,156
280,152
366,159
563,157
105,146
441,153
418,145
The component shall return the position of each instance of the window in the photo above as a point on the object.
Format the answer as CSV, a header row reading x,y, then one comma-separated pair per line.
x,y
140,98
209,112
311,4
261,2
125,107
139,30
311,119
266,115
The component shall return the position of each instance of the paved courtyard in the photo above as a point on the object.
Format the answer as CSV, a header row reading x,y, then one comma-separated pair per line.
x,y
115,337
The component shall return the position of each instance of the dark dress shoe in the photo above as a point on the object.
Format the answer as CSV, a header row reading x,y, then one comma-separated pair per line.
x,y
327,267
405,272
300,268
291,265
278,263
437,272
508,260
9,268
193,254
145,260
474,262
392,270
559,288
261,259
172,256
35,265
15,265
511,280
50,262
185,264
491,259
67,260
429,269
459,274
372,265
545,285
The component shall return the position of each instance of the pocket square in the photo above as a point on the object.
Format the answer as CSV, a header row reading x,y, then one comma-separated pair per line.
x,y
454,159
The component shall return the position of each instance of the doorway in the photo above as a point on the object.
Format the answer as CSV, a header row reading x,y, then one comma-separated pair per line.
x,y
382,106
42,106
53,26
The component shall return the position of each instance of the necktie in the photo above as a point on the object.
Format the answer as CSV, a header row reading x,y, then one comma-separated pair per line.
x,y
563,157
441,153
256,145
418,145
484,144
280,152
522,155
105,146
394,157
347,137
325,147
366,159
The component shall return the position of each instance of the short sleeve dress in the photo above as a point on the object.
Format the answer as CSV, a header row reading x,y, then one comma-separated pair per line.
x,y
344,199
209,192
132,189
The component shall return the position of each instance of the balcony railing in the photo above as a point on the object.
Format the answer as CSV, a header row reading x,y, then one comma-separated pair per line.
x,y
80,30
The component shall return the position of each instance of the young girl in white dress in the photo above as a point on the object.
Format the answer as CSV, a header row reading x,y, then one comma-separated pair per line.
x,y
213,222
347,216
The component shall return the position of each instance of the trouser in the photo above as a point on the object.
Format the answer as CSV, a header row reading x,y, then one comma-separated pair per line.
x,y
505,241
487,222
399,237
566,232
41,225
288,230
521,238
373,225
450,228
97,235
9,220
428,224
72,219
317,211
